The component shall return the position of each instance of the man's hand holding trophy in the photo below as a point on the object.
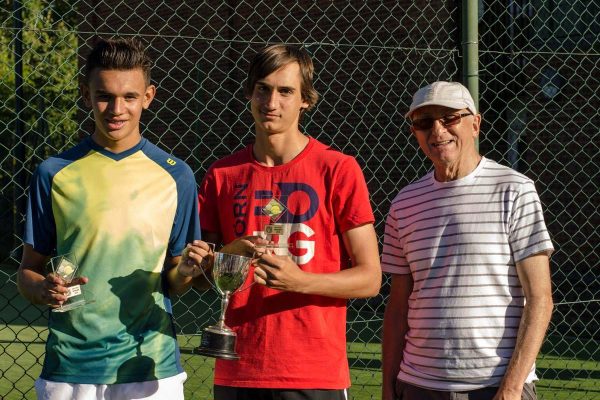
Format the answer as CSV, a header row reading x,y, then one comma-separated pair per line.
x,y
226,271
66,268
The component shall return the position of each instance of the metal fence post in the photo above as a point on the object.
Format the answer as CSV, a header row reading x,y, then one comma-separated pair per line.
x,y
470,50
19,148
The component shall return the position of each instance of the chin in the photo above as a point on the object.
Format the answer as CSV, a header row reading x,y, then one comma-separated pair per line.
x,y
115,137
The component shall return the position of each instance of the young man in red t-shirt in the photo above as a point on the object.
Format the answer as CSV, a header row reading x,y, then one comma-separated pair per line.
x,y
312,201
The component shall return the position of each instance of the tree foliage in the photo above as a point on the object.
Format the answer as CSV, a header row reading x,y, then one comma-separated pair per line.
x,y
49,96
50,84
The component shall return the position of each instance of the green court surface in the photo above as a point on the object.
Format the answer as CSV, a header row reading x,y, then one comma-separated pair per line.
x,y
569,368
23,348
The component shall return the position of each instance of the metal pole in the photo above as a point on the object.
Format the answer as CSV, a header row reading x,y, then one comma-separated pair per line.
x,y
470,49
19,148
516,110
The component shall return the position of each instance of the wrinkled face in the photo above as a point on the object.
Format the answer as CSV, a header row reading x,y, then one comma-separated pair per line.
x,y
449,140
276,101
117,98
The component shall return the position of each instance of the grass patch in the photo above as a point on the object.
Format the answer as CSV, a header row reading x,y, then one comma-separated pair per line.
x,y
569,368
23,349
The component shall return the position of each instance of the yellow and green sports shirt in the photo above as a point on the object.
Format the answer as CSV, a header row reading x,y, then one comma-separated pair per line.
x,y
121,215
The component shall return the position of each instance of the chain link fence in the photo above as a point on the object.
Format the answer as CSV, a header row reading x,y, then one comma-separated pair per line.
x,y
539,70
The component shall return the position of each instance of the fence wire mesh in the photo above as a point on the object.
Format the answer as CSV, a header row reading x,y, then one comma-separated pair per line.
x,y
539,71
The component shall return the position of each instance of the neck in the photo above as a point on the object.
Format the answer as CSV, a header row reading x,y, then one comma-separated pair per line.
x,y
116,146
278,149
457,170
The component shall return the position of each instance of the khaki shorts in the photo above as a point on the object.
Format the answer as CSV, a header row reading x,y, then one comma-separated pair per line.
x,y
168,388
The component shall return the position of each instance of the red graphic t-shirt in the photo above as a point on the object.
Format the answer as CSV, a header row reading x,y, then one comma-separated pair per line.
x,y
288,340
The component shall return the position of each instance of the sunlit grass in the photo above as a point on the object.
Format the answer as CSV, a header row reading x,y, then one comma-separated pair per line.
x,y
23,348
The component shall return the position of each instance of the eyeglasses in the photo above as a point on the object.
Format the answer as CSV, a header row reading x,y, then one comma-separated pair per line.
x,y
446,120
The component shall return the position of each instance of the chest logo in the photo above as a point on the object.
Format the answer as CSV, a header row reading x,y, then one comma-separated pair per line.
x,y
274,209
170,161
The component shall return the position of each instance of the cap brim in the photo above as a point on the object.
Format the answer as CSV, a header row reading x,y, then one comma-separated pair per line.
x,y
449,104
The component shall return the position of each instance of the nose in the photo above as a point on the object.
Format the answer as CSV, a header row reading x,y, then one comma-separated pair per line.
x,y
117,106
437,125
271,99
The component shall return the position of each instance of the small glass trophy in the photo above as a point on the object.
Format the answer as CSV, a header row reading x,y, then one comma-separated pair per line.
x,y
66,267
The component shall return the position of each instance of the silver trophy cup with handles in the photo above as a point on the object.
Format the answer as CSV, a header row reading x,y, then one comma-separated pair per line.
x,y
229,274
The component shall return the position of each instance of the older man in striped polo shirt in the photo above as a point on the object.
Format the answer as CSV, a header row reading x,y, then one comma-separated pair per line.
x,y
468,251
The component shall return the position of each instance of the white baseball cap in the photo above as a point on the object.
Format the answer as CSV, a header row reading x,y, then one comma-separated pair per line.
x,y
441,93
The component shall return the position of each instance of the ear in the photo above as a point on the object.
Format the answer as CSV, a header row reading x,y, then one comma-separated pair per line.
x,y
476,125
304,105
248,95
412,130
149,96
85,95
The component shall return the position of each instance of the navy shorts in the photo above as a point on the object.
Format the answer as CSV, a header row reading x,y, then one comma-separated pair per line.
x,y
239,393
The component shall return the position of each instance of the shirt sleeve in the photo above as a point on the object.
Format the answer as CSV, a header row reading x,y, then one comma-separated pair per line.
x,y
351,196
392,255
186,227
40,227
528,233
207,203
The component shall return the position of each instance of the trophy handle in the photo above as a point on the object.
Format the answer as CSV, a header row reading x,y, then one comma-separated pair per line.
x,y
257,253
208,279
214,286
247,287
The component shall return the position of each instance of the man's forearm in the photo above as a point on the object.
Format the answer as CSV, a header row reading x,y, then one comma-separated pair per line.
x,y
189,268
28,282
31,275
178,283
359,281
395,328
532,329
